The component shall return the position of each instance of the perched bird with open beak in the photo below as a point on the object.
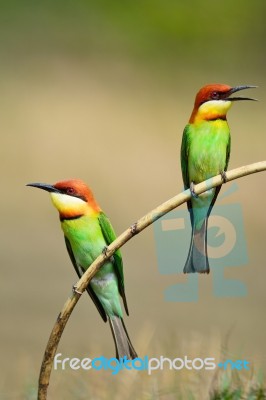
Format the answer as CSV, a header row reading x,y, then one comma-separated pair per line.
x,y
205,152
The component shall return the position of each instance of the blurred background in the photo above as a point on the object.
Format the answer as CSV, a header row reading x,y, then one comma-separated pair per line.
x,y
101,91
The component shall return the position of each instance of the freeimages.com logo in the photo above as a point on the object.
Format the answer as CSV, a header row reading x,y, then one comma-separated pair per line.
x,y
226,248
145,364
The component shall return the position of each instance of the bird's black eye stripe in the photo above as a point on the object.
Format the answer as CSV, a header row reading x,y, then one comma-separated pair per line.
x,y
81,197
215,95
71,192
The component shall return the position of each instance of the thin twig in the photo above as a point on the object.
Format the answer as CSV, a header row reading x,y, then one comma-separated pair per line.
x,y
139,226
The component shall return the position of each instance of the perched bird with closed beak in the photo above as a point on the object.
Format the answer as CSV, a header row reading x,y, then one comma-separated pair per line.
x,y
87,232
205,152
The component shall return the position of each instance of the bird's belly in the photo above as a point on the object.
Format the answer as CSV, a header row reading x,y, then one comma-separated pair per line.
x,y
205,167
101,281
105,286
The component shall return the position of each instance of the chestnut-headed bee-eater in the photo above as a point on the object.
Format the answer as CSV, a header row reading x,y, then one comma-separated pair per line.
x,y
87,232
205,152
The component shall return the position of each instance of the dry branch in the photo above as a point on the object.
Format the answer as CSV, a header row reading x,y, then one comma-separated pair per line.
x,y
139,226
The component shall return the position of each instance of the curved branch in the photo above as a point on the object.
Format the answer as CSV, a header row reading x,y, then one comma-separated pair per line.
x,y
139,226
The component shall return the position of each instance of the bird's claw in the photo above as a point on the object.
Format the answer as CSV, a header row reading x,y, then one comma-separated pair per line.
x,y
105,251
224,177
74,290
133,228
192,191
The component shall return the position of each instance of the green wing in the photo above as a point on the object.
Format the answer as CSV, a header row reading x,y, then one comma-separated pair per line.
x,y
228,150
184,165
89,288
184,157
110,236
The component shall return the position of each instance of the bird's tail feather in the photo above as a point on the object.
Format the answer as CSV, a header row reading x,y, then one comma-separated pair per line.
x,y
197,260
122,341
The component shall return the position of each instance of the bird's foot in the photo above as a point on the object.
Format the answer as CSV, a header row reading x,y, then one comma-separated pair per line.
x,y
133,228
192,191
74,289
224,177
105,250
105,253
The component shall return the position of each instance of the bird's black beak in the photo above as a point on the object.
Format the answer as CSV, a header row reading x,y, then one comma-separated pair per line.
x,y
237,89
44,186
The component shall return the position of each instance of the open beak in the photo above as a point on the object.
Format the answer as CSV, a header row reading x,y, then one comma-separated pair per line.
x,y
44,186
237,89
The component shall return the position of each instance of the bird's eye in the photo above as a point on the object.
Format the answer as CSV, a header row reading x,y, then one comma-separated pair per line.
x,y
70,190
215,95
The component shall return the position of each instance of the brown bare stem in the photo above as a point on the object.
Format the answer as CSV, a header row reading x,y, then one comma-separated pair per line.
x,y
139,226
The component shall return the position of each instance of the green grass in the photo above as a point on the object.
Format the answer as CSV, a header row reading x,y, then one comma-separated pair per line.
x,y
255,393
232,387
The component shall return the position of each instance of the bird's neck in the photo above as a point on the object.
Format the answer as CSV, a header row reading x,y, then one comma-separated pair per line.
x,y
210,111
71,208
74,214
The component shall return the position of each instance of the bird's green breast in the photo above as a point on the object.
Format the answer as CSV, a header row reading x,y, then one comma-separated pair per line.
x,y
208,143
86,238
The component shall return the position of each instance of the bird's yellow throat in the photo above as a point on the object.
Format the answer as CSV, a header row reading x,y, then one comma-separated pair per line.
x,y
68,205
212,109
